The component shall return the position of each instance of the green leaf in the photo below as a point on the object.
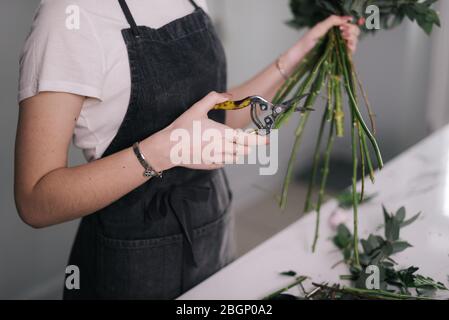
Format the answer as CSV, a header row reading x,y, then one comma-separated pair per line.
x,y
427,282
345,199
288,273
399,246
411,220
343,237
400,215
391,226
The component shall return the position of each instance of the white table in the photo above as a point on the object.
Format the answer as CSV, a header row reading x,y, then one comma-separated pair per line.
x,y
418,179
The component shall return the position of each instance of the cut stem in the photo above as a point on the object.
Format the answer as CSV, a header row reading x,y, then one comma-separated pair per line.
x,y
347,72
354,191
324,175
318,76
298,281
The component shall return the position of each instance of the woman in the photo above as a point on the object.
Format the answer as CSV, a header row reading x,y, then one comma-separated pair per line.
x,y
120,78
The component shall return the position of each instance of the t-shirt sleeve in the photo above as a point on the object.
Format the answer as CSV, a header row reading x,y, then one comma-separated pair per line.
x,y
62,53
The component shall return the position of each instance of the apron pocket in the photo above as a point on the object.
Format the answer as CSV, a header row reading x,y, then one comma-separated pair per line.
x,y
139,269
214,248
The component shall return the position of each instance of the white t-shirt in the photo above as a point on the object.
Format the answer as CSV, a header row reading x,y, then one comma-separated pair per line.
x,y
91,61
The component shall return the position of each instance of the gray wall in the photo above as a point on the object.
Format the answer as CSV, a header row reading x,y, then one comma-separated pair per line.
x,y
32,262
393,66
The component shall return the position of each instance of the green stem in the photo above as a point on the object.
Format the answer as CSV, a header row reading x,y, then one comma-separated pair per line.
x,y
291,161
362,158
368,159
347,71
371,114
298,136
360,135
339,113
301,70
301,90
314,75
354,190
298,281
316,162
324,176
291,82
369,293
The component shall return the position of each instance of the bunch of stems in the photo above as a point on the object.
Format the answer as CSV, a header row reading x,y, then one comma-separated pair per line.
x,y
325,291
329,68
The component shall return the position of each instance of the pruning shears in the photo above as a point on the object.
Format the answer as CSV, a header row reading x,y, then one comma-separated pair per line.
x,y
263,113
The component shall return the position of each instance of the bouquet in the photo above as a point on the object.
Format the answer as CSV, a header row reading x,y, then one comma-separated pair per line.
x,y
329,70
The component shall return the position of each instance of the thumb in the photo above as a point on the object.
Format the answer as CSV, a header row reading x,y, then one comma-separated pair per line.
x,y
208,102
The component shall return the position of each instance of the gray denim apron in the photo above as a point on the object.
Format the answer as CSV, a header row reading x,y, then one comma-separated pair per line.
x,y
169,234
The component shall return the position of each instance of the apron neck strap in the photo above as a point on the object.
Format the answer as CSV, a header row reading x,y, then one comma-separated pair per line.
x,y
130,18
194,4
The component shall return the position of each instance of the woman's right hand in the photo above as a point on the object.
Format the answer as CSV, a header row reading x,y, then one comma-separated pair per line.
x,y
225,147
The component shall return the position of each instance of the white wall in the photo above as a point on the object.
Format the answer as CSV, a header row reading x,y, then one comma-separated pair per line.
x,y
438,95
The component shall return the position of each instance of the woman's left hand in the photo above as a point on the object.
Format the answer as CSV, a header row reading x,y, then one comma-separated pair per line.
x,y
349,31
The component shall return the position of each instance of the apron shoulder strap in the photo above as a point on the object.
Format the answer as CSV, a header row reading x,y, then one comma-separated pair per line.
x,y
194,4
129,17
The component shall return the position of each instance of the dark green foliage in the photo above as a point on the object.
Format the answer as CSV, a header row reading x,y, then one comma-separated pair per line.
x,y
345,199
288,273
392,12
395,283
377,250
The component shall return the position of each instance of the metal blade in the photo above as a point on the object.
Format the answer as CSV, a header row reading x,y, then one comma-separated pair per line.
x,y
290,102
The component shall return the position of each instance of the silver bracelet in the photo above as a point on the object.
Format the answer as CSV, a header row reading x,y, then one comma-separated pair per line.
x,y
281,69
149,171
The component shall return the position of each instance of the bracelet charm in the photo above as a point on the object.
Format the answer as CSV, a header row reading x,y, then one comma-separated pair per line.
x,y
149,171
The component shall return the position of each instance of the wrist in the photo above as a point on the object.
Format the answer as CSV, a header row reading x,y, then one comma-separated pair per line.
x,y
295,54
157,151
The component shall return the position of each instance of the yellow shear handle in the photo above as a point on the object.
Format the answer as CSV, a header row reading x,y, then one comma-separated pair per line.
x,y
233,105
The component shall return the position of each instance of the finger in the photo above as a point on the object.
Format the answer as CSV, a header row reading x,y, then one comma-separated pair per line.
x,y
350,29
235,149
208,102
220,159
352,45
225,130
349,37
230,159
333,21
248,139
227,147
222,147
355,30
210,166
346,35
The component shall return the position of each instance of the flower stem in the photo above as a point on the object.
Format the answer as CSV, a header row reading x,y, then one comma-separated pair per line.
x,y
347,71
354,190
324,175
298,281
316,161
316,77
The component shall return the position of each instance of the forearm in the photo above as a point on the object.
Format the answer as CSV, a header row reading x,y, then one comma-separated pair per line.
x,y
65,194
